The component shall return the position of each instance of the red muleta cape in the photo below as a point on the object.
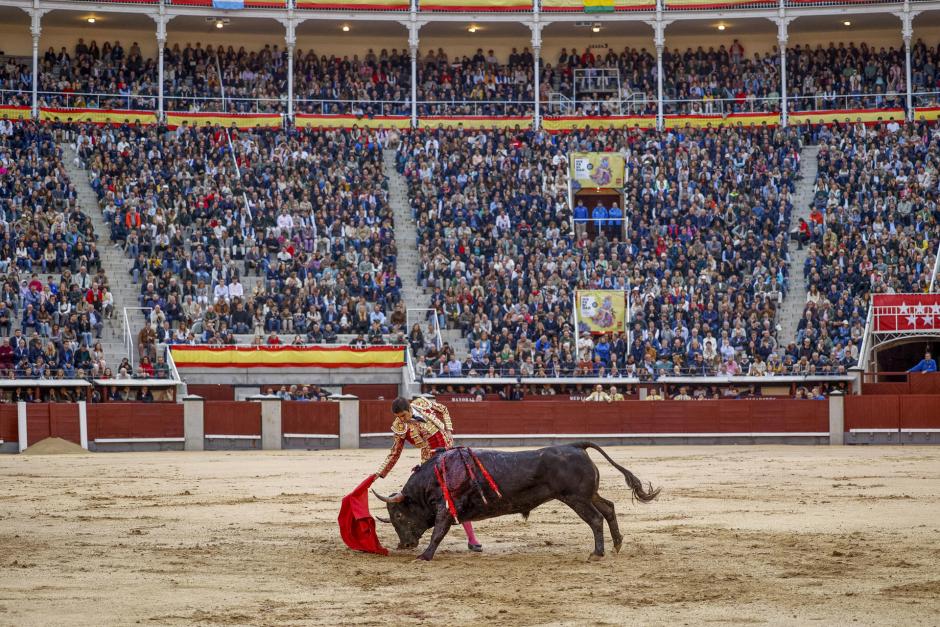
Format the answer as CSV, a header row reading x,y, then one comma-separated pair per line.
x,y
356,525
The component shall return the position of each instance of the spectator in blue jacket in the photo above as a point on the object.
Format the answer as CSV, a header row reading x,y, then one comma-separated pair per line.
x,y
927,364
580,218
615,220
599,214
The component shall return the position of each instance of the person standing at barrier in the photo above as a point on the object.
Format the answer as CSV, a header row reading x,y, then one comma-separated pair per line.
x,y
927,364
427,425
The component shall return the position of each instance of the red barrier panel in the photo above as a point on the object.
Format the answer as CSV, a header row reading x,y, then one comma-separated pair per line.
x,y
872,412
627,417
924,382
372,391
212,391
135,420
919,412
37,422
232,418
8,423
310,417
375,416
64,422
885,388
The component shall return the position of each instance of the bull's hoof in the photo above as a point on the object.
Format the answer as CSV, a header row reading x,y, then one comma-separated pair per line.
x,y
423,558
618,545
595,557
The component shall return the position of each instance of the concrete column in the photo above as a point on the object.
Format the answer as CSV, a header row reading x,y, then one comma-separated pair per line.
x,y
194,424
782,39
413,51
537,70
21,425
660,118
271,429
907,71
161,44
35,30
643,392
836,419
348,420
83,423
290,39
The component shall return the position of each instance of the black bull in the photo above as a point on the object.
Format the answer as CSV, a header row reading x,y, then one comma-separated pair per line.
x,y
525,479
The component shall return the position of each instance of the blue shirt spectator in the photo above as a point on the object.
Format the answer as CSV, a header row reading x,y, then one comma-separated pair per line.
x,y
580,212
927,364
600,215
615,215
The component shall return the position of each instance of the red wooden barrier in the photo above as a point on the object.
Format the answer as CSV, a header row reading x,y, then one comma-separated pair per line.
x,y
919,411
212,391
628,417
372,391
135,420
375,416
8,422
885,388
64,422
310,417
232,418
37,422
59,420
872,412
924,382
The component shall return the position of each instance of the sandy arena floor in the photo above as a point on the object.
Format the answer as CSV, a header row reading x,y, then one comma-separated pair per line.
x,y
778,535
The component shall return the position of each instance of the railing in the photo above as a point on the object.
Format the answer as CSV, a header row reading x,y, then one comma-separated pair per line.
x,y
522,6
96,100
420,316
823,102
936,268
129,333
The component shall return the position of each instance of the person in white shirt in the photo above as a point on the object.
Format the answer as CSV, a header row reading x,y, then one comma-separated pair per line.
x,y
236,289
221,292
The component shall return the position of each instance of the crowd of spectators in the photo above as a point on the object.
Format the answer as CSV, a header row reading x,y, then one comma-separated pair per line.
x,y
873,229
704,253
54,297
306,216
704,80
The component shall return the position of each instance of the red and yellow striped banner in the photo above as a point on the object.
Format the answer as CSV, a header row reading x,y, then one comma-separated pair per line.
x,y
562,124
475,122
287,356
572,6
718,121
927,113
8,112
97,116
476,6
355,5
241,121
713,4
846,116
306,120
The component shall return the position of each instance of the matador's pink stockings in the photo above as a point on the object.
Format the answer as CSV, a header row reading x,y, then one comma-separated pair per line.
x,y
471,537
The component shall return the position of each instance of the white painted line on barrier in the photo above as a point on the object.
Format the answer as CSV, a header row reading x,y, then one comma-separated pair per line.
x,y
233,437
133,440
874,430
327,436
83,424
589,436
920,430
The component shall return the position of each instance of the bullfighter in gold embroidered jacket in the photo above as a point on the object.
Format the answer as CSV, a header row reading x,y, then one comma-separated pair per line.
x,y
426,424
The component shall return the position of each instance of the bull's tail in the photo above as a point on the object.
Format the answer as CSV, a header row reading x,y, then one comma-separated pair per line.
x,y
633,481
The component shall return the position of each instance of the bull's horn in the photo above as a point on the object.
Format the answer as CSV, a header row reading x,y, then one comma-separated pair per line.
x,y
398,497
384,520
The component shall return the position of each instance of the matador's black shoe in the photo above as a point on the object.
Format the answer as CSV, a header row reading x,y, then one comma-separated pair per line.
x,y
476,548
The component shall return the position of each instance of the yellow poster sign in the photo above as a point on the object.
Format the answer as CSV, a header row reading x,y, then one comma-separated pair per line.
x,y
601,311
596,170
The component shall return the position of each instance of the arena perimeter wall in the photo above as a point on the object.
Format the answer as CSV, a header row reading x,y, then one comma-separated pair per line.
x,y
265,422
